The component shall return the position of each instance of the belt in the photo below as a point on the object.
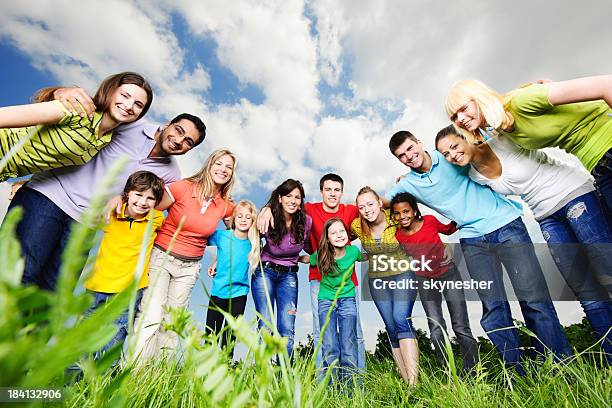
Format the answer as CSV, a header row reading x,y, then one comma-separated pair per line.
x,y
280,268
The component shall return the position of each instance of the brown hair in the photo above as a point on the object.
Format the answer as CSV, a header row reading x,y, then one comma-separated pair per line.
x,y
398,138
298,219
106,90
326,254
142,181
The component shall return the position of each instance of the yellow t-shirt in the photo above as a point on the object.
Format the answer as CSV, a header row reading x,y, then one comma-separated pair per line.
x,y
117,258
387,245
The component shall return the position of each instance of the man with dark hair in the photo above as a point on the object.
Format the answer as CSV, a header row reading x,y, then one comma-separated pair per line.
x,y
491,233
53,200
332,187
400,137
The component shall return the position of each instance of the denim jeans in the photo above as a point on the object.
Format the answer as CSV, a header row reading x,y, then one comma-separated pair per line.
x,y
580,242
283,293
602,173
43,234
395,306
340,337
316,329
455,301
511,247
121,323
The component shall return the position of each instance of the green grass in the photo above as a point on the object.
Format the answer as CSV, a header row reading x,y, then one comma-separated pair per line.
x,y
578,384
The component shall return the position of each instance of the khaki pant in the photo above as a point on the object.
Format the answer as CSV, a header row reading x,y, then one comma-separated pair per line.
x,y
171,281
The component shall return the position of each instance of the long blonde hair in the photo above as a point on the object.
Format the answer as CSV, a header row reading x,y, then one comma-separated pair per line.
x,y
205,186
492,105
253,233
365,225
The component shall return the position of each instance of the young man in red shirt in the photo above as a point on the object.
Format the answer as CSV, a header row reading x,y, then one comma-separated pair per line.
x,y
331,186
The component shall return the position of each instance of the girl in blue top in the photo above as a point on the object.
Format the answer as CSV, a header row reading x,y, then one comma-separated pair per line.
x,y
237,254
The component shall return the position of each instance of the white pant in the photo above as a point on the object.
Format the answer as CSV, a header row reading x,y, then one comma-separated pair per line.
x,y
171,281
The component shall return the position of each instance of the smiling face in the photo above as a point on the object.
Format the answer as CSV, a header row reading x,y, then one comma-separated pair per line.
x,y
127,103
403,214
222,169
178,138
337,235
369,206
410,153
331,194
139,203
243,219
468,116
456,150
290,202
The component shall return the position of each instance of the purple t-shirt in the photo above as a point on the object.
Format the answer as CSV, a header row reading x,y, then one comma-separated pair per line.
x,y
287,252
71,188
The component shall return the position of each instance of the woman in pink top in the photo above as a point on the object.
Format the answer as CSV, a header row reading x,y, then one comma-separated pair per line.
x,y
196,205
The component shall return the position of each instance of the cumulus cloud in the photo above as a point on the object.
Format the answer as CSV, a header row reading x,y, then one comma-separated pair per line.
x,y
264,43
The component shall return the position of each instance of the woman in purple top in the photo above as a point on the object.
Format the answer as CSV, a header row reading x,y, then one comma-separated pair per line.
x,y
278,281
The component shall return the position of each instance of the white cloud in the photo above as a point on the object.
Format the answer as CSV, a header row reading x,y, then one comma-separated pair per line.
x,y
267,44
329,29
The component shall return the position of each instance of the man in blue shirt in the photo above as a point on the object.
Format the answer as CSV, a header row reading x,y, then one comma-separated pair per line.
x,y
492,234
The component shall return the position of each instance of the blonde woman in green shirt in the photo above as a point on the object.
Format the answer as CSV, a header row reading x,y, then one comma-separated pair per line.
x,y
574,115
47,135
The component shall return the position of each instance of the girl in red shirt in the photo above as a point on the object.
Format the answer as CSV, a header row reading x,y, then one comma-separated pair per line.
x,y
419,237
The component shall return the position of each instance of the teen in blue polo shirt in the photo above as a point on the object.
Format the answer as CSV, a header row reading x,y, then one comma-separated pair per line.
x,y
492,234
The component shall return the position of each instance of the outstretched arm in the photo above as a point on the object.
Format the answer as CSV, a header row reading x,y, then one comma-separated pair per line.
x,y
46,113
581,90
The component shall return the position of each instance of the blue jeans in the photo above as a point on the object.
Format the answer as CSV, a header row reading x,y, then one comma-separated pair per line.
x,y
511,247
431,300
580,242
121,323
43,233
602,173
340,337
283,292
316,329
395,306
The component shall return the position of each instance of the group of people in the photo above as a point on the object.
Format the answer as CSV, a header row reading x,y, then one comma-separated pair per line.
x,y
490,151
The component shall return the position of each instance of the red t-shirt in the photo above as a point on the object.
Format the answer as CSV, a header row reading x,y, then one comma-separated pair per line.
x,y
200,223
427,243
346,212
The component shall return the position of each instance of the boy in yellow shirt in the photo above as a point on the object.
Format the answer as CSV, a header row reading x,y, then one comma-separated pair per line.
x,y
116,262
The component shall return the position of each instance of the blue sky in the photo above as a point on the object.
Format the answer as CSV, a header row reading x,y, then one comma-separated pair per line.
x,y
297,89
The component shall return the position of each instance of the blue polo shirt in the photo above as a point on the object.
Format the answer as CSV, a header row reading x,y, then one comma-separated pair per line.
x,y
449,190
236,258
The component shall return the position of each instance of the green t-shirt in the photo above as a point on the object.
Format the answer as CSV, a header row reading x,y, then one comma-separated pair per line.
x,y
331,282
73,141
583,129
